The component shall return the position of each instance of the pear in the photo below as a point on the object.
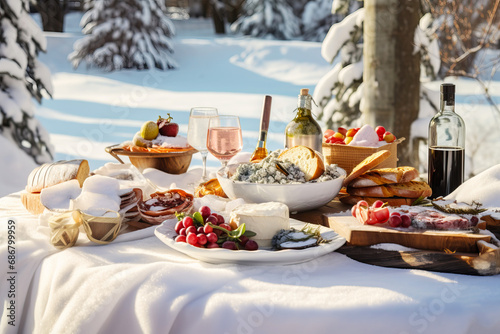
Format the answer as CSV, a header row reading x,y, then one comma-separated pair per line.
x,y
149,130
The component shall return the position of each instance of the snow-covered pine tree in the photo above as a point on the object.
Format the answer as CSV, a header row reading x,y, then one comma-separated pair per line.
x,y
125,34
338,93
268,19
317,18
22,77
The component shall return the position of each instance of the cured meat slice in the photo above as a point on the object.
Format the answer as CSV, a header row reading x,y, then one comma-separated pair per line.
x,y
164,205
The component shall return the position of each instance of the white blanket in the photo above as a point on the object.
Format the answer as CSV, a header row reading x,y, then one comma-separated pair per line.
x,y
137,284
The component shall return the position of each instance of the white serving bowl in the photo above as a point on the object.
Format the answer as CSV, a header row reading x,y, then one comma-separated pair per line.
x,y
298,197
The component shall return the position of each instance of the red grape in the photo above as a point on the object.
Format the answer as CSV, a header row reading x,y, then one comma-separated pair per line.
x,y
192,239
395,221
243,240
220,219
187,221
178,227
212,245
251,245
207,229
182,232
212,237
211,219
202,239
180,238
226,226
190,229
229,245
405,221
199,229
205,211
395,213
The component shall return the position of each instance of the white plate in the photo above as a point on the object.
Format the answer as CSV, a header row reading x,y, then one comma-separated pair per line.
x,y
166,233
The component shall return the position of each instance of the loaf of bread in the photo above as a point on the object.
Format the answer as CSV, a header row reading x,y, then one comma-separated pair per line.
x,y
306,159
54,173
412,189
376,177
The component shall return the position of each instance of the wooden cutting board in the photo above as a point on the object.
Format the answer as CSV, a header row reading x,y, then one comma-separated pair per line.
x,y
365,235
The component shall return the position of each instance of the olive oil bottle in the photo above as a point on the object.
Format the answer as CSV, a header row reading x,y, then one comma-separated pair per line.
x,y
303,129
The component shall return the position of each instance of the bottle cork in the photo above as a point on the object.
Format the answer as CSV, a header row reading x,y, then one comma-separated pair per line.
x,y
304,91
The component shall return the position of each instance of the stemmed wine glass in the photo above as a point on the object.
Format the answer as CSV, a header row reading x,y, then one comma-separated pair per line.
x,y
224,138
197,132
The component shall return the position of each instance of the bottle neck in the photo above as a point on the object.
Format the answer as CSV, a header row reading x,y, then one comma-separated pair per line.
x,y
447,107
305,104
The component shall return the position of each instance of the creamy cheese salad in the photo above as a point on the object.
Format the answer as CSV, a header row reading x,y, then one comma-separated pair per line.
x,y
266,171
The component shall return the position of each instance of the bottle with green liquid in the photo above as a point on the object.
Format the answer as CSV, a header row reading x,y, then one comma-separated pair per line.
x,y
303,129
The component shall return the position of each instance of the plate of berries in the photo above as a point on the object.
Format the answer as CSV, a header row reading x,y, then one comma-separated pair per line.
x,y
206,236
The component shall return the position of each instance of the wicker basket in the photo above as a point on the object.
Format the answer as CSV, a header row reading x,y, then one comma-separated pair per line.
x,y
348,157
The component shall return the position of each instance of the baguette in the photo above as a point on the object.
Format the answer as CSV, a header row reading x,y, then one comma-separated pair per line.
x,y
412,189
376,177
306,159
391,201
54,173
368,163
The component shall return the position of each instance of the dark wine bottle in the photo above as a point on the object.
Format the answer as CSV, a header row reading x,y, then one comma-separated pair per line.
x,y
446,144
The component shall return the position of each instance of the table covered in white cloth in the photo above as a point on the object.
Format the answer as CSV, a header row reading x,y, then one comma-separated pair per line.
x,y
136,284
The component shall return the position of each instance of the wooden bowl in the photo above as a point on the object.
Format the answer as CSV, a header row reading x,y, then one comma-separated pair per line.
x,y
172,162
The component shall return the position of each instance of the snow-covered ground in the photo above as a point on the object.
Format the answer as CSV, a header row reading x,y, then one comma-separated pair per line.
x,y
91,109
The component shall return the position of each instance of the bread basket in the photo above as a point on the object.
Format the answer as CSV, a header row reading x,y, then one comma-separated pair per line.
x,y
347,157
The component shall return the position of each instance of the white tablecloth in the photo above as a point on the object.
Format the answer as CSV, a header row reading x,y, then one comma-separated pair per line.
x,y
138,285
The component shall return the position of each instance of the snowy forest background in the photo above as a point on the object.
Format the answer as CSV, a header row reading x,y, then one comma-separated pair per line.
x,y
103,67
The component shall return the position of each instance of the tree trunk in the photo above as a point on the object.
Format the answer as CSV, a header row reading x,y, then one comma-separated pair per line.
x,y
218,16
391,70
52,14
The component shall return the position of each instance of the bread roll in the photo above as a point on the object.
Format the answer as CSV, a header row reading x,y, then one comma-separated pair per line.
x,y
306,159
412,189
382,176
54,173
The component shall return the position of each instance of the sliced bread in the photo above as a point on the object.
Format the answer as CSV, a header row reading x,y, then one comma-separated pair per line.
x,y
368,163
411,189
306,159
381,176
392,201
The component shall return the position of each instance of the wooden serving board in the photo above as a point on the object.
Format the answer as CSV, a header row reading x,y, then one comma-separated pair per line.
x,y
365,235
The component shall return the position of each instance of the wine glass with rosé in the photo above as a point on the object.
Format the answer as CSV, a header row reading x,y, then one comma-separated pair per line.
x,y
224,138
198,130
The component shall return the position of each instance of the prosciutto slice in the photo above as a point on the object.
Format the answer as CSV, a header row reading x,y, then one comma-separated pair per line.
x,y
164,205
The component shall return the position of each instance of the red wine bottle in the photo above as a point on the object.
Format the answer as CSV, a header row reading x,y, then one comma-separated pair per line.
x,y
446,144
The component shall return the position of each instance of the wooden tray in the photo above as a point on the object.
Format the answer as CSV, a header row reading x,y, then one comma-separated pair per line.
x,y
485,260
365,235
171,162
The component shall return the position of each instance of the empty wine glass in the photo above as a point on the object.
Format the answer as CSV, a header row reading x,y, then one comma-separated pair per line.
x,y
224,138
197,132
